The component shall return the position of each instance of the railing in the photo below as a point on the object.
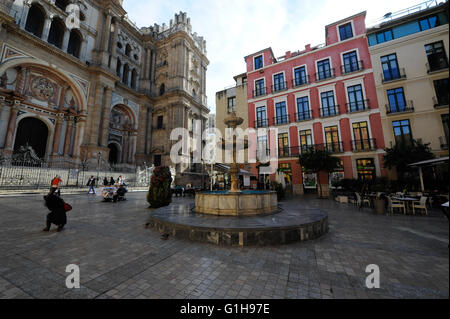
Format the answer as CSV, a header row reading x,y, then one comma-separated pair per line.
x,y
443,141
409,107
320,76
279,87
285,151
393,75
299,81
352,67
261,123
441,101
358,106
364,145
303,116
440,64
329,111
334,147
280,120
260,91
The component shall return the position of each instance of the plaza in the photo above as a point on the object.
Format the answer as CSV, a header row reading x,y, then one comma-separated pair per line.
x,y
119,257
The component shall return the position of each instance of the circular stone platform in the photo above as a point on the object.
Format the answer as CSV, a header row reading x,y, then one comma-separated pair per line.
x,y
293,224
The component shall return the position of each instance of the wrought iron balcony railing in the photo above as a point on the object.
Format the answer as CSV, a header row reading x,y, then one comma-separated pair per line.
x,y
303,116
364,145
443,141
393,75
407,108
260,91
436,62
357,106
281,86
280,120
320,76
261,123
352,67
299,81
441,101
329,111
334,147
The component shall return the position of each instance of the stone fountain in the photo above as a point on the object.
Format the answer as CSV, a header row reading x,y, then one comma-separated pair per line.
x,y
235,202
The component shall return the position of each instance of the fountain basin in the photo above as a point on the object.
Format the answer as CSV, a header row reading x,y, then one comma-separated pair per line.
x,y
245,203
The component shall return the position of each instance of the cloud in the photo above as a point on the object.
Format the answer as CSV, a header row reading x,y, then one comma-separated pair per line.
x,y
236,28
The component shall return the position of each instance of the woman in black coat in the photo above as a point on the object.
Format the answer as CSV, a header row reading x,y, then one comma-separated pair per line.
x,y
57,213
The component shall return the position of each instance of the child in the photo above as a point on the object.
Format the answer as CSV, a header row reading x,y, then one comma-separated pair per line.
x,y
57,213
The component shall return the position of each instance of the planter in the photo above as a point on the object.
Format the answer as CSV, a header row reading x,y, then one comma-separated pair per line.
x,y
379,206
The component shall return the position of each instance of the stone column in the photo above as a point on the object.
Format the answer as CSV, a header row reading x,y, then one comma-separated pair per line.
x,y
114,46
46,29
79,126
96,110
57,135
106,33
62,97
105,116
66,38
23,19
83,50
2,132
11,127
124,147
68,138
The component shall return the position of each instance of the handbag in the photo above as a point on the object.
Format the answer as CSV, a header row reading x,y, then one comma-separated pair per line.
x,y
67,207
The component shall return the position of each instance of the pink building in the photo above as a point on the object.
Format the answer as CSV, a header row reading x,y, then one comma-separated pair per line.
x,y
323,97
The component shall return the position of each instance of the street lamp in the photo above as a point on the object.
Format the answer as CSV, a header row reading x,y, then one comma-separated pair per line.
x,y
99,154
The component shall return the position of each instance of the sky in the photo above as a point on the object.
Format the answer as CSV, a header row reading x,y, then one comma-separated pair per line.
x,y
236,28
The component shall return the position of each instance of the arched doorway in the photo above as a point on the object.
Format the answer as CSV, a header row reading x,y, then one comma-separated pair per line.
x,y
113,153
33,132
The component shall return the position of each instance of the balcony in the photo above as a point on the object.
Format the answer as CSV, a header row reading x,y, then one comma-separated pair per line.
x,y
364,145
303,116
335,147
287,151
352,67
281,120
357,106
393,75
443,141
277,87
408,108
321,76
440,101
260,91
330,111
299,81
261,123
436,63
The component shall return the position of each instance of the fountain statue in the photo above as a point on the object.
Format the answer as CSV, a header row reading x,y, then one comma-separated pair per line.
x,y
235,202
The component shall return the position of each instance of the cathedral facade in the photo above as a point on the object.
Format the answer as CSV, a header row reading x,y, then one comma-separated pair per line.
x,y
80,82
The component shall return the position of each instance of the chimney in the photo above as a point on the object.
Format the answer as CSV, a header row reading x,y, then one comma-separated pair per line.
x,y
308,47
288,55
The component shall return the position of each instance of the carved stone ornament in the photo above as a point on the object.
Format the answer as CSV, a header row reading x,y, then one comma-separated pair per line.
x,y
42,89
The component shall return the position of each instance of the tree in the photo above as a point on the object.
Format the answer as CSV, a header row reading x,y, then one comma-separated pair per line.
x,y
316,161
159,193
404,153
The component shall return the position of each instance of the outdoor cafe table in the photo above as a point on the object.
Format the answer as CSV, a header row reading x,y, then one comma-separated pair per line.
x,y
408,201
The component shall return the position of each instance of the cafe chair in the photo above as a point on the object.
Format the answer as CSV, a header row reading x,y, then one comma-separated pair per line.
x,y
396,204
422,204
361,202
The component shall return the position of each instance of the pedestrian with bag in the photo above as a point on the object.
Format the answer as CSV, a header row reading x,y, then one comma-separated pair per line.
x,y
55,185
91,184
58,209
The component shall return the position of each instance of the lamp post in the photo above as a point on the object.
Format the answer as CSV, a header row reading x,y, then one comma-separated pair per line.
x,y
99,154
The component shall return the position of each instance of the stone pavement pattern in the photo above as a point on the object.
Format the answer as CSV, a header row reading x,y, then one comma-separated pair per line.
x,y
119,258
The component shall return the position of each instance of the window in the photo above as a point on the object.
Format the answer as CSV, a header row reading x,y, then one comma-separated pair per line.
x,y
287,172
118,67
437,58
126,71
428,23
157,160
62,4
300,76
262,148
384,36
396,99
402,131
281,113
134,79
127,50
260,89
278,82
390,68
332,139
366,169
35,20
283,144
441,88
159,123
444,141
345,31
56,33
303,109
305,139
261,119
355,98
74,46
350,62
258,62
361,133
328,106
323,70
231,104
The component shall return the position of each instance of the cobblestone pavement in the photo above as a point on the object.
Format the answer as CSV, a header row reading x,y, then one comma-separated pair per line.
x,y
119,258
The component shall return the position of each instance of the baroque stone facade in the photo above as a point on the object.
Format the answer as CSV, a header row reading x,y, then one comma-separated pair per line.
x,y
96,85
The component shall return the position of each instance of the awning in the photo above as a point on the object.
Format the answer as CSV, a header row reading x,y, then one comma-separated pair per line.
x,y
225,168
431,162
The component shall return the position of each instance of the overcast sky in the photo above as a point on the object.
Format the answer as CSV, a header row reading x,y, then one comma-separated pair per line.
x,y
235,28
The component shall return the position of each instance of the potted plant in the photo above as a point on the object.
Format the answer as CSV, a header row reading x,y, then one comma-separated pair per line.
x,y
379,202
159,193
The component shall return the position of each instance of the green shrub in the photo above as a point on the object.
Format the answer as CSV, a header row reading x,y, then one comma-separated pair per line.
x,y
159,193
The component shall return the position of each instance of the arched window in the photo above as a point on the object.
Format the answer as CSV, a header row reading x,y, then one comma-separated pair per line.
x,y
62,4
35,20
126,71
127,50
162,89
56,33
133,79
74,46
119,65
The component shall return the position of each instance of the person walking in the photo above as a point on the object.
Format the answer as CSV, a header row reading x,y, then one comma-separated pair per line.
x,y
91,184
120,180
111,181
55,185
